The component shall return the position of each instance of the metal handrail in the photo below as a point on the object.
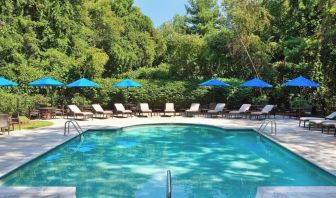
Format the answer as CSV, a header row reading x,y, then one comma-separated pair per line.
x,y
169,184
76,126
265,123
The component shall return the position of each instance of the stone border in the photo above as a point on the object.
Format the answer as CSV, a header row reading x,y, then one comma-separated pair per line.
x,y
43,192
297,192
31,158
277,141
263,190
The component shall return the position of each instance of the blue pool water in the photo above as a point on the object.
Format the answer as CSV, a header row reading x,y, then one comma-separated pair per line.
x,y
204,161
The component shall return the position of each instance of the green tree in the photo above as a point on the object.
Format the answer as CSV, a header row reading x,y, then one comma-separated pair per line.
x,y
202,17
247,20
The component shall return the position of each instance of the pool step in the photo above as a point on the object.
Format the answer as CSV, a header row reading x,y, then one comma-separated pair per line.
x,y
297,192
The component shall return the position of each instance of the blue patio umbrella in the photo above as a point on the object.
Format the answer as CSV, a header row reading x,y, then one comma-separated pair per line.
x,y
46,82
127,83
300,82
7,83
83,82
255,82
214,83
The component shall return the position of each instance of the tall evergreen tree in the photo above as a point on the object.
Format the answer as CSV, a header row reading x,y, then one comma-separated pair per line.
x,y
202,16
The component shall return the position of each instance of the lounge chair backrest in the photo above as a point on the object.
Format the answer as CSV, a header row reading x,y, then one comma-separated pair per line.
x,y
331,116
219,107
267,109
97,107
194,106
170,107
244,108
144,107
74,109
119,107
3,120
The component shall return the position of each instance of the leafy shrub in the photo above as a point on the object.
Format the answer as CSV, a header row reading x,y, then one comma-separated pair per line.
x,y
154,91
23,103
160,72
158,92
299,102
80,100
260,100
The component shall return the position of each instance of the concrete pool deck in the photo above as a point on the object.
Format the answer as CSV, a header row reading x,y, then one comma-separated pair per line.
x,y
22,146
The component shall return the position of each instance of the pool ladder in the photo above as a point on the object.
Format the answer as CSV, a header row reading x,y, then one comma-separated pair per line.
x,y
169,185
76,126
265,123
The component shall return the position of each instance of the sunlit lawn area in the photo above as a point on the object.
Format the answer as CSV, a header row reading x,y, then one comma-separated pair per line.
x,y
32,124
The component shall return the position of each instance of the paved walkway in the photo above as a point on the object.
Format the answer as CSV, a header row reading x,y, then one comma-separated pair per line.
x,y
22,146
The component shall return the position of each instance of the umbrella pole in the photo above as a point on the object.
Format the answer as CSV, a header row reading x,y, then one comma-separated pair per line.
x,y
51,96
83,105
126,98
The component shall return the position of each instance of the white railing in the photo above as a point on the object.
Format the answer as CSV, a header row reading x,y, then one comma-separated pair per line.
x,y
169,185
265,123
76,126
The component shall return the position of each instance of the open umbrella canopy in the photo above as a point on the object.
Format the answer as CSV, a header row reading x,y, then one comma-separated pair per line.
x,y
46,81
214,83
7,83
255,82
127,83
83,82
300,82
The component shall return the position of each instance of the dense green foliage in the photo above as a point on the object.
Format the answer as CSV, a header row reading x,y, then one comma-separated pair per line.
x,y
106,40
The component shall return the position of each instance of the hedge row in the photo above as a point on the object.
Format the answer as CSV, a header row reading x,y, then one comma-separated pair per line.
x,y
154,92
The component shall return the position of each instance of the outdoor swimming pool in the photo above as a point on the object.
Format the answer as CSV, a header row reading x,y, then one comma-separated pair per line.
x,y
204,161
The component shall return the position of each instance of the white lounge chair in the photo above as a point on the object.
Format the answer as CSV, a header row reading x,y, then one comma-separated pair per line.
x,y
98,110
328,125
194,109
217,110
77,112
242,111
144,108
319,122
170,109
264,112
307,119
121,109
